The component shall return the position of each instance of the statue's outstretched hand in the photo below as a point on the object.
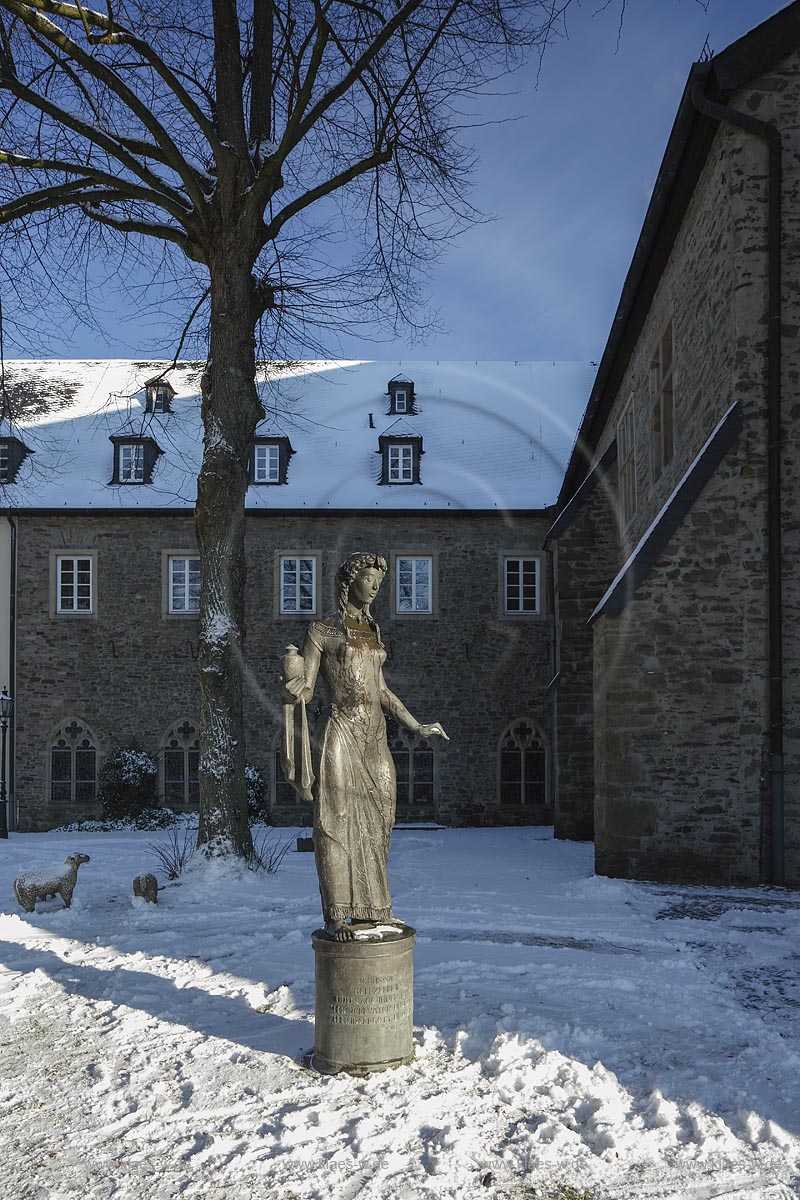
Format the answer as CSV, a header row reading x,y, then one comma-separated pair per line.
x,y
432,730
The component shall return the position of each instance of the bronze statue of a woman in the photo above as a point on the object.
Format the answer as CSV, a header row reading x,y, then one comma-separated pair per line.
x,y
355,778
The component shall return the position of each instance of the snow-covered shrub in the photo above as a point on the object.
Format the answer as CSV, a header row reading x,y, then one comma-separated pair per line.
x,y
174,853
257,811
269,851
127,783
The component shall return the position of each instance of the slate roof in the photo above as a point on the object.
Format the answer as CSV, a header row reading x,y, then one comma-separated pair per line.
x,y
495,435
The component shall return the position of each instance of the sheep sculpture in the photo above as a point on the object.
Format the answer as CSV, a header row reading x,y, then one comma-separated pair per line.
x,y
41,885
146,886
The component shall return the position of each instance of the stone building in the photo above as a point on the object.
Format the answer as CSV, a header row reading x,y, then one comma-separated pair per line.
x,y
676,553
450,471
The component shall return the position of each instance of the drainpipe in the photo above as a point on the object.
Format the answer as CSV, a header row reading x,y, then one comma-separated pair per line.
x,y
12,671
771,135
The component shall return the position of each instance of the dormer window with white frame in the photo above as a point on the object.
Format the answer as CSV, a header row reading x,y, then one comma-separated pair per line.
x,y
267,463
401,463
400,451
158,396
134,460
269,460
401,397
131,462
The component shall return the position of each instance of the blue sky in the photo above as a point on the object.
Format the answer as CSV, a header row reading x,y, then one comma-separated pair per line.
x,y
567,180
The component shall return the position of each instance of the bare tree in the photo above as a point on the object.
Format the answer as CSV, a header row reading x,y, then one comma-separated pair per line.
x,y
237,135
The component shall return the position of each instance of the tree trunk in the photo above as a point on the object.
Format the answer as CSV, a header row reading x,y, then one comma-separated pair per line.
x,y
231,410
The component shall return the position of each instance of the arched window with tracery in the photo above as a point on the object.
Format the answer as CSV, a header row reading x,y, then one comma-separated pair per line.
x,y
73,764
415,767
180,762
523,766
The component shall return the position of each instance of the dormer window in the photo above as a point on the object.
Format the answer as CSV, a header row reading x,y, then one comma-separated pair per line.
x,y
158,396
400,457
134,459
401,463
12,454
269,460
401,397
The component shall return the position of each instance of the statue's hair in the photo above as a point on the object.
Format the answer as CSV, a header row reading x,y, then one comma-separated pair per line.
x,y
344,577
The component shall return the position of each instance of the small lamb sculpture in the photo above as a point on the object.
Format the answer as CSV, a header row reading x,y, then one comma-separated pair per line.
x,y
39,885
147,887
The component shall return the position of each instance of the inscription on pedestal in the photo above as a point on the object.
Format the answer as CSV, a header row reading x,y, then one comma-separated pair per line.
x,y
377,1001
364,1003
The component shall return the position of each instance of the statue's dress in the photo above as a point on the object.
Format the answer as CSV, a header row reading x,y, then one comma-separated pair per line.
x,y
356,788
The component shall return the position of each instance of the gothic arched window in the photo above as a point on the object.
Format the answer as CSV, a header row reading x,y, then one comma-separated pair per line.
x,y
523,765
180,762
73,764
414,766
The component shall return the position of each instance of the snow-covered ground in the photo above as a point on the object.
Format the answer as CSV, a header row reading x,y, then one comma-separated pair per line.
x,y
619,1039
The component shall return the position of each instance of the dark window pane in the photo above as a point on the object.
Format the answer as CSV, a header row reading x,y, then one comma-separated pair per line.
x,y
85,765
423,766
509,793
511,766
402,792
61,793
84,792
60,765
535,763
174,767
534,792
423,792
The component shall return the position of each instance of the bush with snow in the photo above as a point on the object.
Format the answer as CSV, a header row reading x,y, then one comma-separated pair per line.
x,y
257,810
127,783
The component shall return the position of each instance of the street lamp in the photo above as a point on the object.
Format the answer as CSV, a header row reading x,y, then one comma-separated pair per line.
x,y
6,709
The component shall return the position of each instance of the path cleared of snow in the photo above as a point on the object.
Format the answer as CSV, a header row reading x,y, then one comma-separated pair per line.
x,y
631,1040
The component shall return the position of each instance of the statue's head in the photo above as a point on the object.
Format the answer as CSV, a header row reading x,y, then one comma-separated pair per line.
x,y
360,576
358,580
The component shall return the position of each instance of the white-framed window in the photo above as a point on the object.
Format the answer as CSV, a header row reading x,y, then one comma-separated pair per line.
x,y
662,405
400,400
74,583
131,462
266,463
626,463
521,585
184,584
401,462
298,583
5,461
413,584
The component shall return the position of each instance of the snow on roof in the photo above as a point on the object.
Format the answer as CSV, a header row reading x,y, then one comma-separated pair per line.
x,y
495,435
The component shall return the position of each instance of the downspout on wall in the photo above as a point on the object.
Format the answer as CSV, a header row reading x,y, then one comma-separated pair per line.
x,y
13,822
771,135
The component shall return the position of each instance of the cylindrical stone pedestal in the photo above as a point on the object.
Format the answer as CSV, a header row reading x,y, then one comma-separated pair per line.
x,y
364,1002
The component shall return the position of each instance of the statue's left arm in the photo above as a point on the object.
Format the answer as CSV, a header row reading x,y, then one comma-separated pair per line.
x,y
394,705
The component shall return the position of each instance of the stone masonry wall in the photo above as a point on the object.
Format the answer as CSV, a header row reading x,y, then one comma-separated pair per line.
x,y
776,97
586,556
714,289
130,671
679,710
